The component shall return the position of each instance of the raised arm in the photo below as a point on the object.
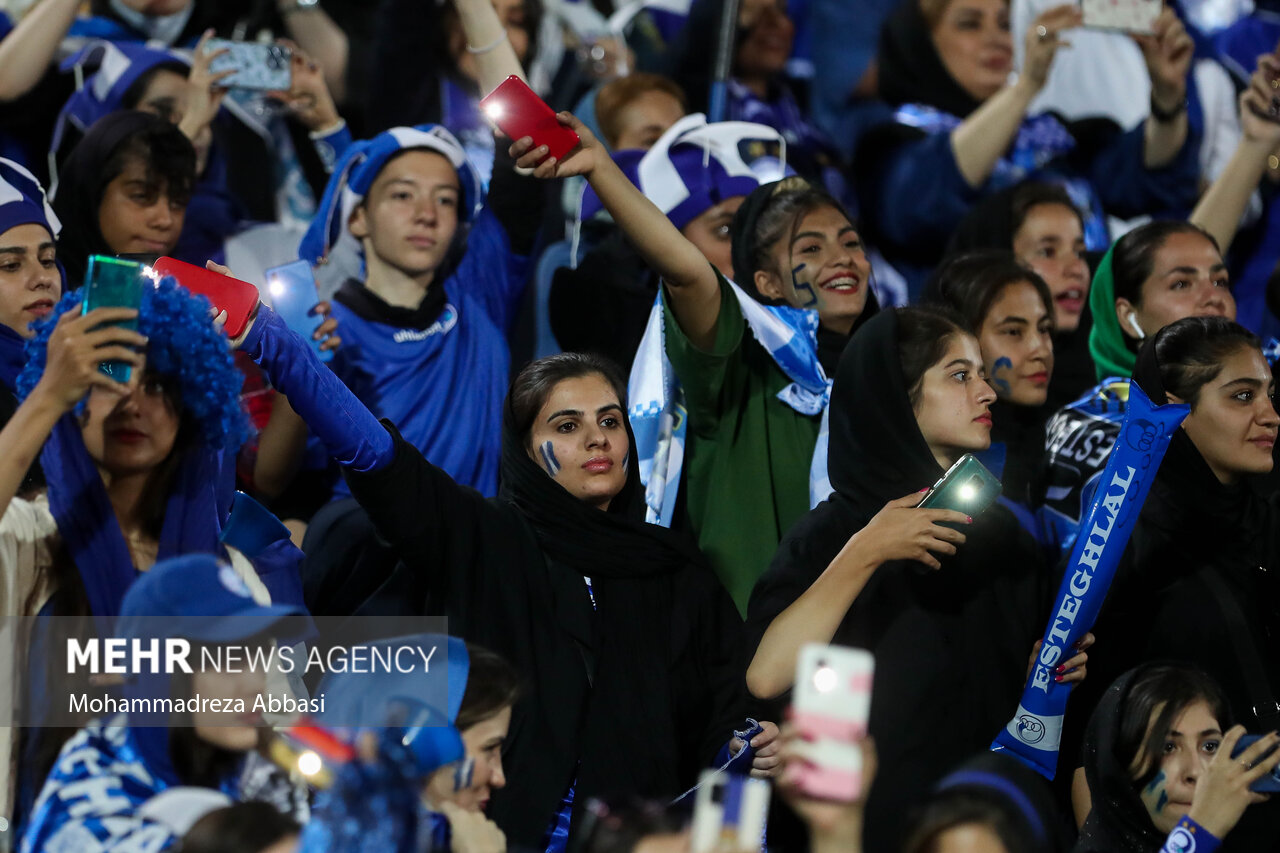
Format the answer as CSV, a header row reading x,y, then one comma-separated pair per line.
x,y
1168,53
495,58
900,531
71,371
1223,204
983,138
690,279
28,51
317,34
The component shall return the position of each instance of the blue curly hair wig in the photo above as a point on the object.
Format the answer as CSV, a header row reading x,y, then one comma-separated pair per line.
x,y
183,345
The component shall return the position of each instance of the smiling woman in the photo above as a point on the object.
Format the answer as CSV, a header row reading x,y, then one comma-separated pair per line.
x,y
124,189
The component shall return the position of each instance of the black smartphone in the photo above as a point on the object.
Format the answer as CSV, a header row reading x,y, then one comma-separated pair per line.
x,y
967,487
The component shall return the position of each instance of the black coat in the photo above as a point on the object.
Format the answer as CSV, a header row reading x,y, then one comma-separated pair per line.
x,y
951,646
634,697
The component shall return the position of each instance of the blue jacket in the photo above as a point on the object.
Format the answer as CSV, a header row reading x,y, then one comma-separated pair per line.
x,y
442,385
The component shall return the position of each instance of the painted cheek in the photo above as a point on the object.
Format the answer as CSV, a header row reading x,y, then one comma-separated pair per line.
x,y
805,293
1154,794
547,455
999,372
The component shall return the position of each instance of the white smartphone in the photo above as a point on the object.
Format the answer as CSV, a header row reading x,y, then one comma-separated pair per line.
x,y
1130,16
257,66
730,813
830,705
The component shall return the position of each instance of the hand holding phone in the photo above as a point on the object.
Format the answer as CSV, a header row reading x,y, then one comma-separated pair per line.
x,y
292,293
830,706
238,298
967,487
1267,760
519,112
114,283
263,67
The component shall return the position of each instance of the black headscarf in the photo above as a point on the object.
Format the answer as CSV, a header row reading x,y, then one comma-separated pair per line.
x,y
911,71
627,560
82,182
951,645
1118,821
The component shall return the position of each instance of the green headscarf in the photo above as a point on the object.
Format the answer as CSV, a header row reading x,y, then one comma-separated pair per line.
x,y
1107,344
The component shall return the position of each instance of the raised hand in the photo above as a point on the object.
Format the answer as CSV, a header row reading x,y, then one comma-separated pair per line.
x,y
76,348
582,160
1168,52
902,531
1042,41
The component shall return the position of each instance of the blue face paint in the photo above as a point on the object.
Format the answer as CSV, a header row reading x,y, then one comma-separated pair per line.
x,y
804,290
626,460
549,460
1000,384
1035,731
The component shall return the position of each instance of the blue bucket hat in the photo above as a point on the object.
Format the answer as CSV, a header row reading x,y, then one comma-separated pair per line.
x,y
23,200
360,165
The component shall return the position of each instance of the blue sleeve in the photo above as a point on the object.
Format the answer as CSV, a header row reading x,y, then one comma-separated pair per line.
x,y
350,433
921,196
491,271
1189,835
1127,188
330,146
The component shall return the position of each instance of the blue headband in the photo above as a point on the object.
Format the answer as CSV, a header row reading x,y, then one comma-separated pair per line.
x,y
360,166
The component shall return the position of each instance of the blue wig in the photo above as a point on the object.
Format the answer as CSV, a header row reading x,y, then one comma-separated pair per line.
x,y
182,344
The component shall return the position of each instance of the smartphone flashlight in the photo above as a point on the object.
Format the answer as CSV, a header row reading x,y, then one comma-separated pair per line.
x,y
824,678
493,110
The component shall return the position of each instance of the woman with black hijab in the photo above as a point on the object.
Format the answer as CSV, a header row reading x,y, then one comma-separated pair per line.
x,y
961,130
123,190
1198,583
630,646
951,617
1041,224
1010,310
1161,761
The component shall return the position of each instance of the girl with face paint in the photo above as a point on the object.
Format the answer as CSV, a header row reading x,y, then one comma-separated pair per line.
x,y
1010,310
622,625
950,605
753,413
1159,758
1203,550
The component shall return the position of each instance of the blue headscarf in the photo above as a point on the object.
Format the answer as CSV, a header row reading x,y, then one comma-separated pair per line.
x,y
183,344
359,166
22,202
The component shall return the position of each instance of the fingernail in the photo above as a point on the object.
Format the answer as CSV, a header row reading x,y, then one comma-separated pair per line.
x,y
1060,668
1058,678
922,491
969,518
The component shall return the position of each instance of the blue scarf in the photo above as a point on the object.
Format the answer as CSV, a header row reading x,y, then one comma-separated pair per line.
x,y
1041,140
658,413
198,506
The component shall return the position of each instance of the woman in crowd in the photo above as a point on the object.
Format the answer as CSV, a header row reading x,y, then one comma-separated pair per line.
x,y
137,472
950,605
31,280
1204,545
961,130
1154,275
1010,310
1165,775
616,624
992,803
1043,228
124,190
113,765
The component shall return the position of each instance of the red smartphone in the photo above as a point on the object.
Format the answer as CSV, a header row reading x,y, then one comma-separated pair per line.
x,y
518,112
238,298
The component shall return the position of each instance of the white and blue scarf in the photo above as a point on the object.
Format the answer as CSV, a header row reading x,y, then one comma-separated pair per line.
x,y
659,417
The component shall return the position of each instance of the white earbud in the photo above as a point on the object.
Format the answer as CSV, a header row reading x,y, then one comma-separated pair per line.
x,y
1137,330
